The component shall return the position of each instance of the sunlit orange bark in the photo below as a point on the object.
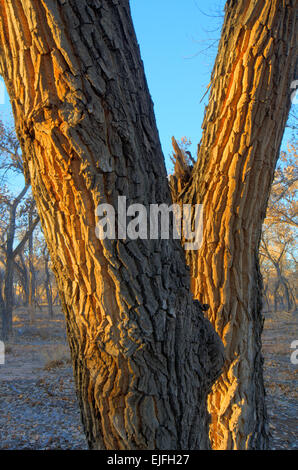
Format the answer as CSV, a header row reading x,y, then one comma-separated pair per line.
x,y
144,356
242,131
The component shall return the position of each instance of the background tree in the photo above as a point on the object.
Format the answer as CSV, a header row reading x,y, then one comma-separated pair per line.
x,y
278,243
10,162
48,280
283,206
10,252
22,275
32,274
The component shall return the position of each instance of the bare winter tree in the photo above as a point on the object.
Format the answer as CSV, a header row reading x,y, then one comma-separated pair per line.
x,y
10,247
10,250
22,273
32,274
48,280
144,355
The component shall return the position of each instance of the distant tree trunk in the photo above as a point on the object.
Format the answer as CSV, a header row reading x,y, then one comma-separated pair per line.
x,y
265,295
47,284
292,299
8,300
242,131
276,296
8,290
280,279
57,299
23,275
1,297
287,295
32,279
144,356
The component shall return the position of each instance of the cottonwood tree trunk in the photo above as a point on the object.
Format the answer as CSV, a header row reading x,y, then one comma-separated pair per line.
x,y
144,356
242,131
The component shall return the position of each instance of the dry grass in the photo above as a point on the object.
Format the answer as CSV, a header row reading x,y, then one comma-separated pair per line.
x,y
55,364
57,357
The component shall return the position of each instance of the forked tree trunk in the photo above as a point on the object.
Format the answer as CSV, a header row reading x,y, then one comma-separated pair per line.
x,y
144,356
242,131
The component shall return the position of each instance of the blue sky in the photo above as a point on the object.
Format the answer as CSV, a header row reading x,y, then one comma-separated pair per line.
x,y
171,34
178,41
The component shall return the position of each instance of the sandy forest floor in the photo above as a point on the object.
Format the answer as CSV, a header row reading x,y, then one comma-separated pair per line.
x,y
38,406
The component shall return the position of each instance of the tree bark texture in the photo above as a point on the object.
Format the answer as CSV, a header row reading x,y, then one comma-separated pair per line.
x,y
242,132
144,356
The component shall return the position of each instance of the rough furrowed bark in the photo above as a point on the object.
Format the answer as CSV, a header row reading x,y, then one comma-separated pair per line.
x,y
144,356
242,131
